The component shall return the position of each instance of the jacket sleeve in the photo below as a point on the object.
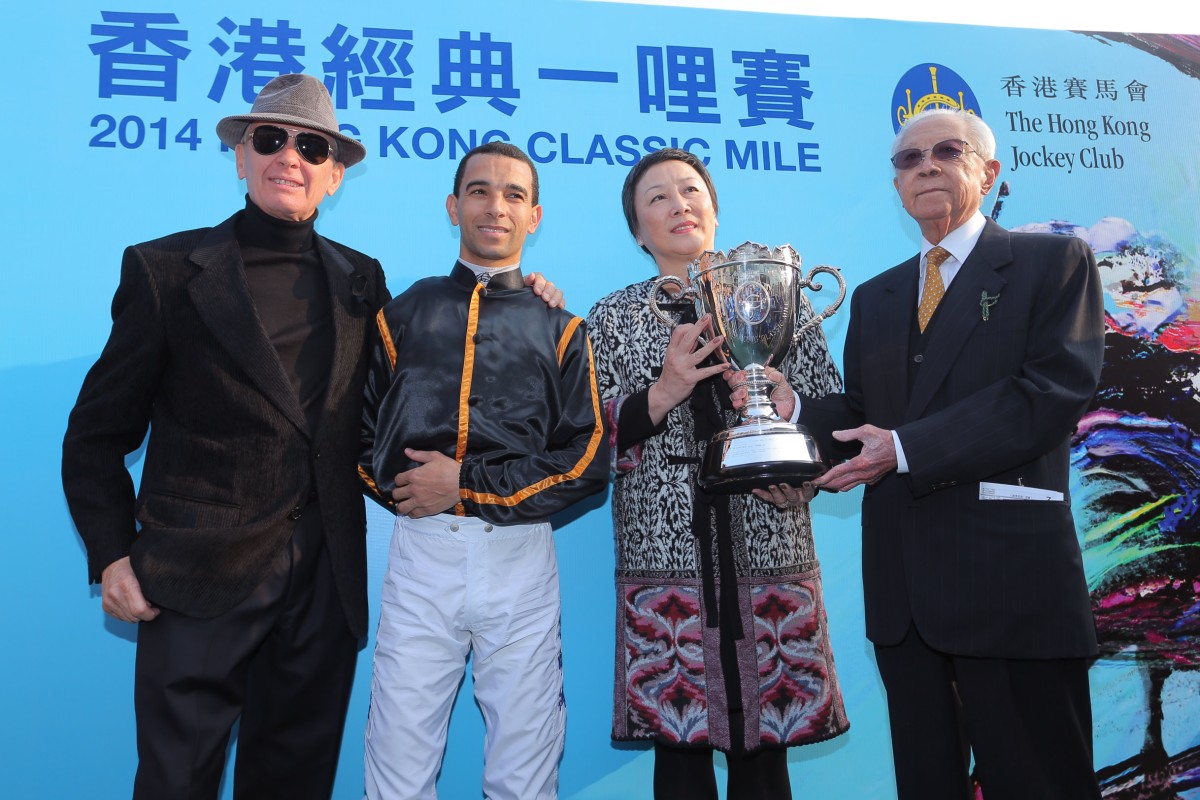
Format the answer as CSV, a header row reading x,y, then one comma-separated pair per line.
x,y
381,369
1020,417
626,413
574,463
823,408
111,416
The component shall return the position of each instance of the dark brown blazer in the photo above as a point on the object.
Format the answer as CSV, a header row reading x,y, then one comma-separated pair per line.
x,y
230,462
996,397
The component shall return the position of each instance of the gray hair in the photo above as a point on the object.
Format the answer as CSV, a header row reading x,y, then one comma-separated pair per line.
x,y
978,134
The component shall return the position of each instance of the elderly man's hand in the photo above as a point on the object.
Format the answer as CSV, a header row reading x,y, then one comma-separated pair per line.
x,y
550,294
878,458
121,594
428,489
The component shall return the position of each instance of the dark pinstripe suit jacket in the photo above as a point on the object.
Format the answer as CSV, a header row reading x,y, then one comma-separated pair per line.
x,y
994,399
230,454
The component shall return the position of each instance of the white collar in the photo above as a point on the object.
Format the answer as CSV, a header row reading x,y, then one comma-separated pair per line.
x,y
960,241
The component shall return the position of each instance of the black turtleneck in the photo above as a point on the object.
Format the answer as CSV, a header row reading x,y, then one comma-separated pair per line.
x,y
291,294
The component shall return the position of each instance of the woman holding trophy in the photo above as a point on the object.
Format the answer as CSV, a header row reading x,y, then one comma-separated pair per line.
x,y
721,631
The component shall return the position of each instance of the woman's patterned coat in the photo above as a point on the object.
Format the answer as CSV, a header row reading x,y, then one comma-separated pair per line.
x,y
669,679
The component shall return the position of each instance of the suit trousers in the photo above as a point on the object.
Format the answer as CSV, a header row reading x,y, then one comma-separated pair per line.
x,y
280,664
455,586
1028,723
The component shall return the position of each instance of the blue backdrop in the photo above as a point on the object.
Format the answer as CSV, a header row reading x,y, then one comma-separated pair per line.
x,y
112,107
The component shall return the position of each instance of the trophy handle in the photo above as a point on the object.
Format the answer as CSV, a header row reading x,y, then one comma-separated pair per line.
x,y
816,287
685,293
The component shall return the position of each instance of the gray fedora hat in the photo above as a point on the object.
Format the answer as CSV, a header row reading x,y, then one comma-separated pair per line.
x,y
299,100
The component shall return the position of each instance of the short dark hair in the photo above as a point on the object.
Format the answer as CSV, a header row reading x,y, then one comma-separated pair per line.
x,y
648,161
497,149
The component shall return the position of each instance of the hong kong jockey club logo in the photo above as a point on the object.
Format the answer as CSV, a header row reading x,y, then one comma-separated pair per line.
x,y
930,86
753,302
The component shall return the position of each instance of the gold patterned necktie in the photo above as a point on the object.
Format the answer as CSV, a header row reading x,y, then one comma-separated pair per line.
x,y
931,295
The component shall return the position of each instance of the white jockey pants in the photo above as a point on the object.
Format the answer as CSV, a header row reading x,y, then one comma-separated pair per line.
x,y
456,585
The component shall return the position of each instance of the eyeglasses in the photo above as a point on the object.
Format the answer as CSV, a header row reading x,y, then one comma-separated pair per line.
x,y
949,150
312,147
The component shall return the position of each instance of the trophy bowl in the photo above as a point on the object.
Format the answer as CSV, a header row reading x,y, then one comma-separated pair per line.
x,y
753,294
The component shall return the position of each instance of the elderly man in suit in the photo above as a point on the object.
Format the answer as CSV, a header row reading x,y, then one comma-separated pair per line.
x,y
967,368
243,555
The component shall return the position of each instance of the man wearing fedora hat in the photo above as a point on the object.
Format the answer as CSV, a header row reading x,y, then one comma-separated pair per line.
x,y
242,348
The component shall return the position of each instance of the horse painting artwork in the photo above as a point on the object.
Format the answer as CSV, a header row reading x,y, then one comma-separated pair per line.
x,y
1136,499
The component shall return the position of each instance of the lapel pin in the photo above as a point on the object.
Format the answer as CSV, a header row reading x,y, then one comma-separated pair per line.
x,y
986,301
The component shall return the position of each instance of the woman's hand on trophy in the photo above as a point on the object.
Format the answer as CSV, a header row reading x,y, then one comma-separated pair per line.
x,y
786,496
781,395
683,366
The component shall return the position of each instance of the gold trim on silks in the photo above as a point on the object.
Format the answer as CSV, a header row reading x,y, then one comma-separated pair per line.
x,y
934,99
464,387
385,333
565,339
483,498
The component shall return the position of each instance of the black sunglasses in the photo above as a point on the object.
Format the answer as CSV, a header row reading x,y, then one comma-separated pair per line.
x,y
949,150
312,147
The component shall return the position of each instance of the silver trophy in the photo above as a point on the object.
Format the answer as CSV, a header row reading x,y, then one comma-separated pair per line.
x,y
753,295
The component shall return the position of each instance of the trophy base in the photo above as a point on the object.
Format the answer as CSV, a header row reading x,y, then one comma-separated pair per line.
x,y
757,455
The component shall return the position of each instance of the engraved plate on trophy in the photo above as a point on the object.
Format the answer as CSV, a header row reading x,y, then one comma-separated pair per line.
x,y
753,295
